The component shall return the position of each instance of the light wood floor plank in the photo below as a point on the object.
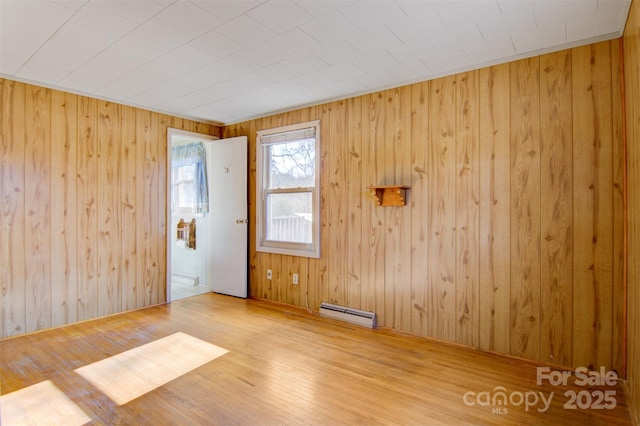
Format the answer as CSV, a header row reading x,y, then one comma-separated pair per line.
x,y
285,366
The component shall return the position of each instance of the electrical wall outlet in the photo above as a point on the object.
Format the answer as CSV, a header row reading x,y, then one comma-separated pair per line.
x,y
295,279
269,274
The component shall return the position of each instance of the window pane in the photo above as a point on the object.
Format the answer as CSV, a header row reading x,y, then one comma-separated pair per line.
x,y
291,164
186,195
187,173
289,217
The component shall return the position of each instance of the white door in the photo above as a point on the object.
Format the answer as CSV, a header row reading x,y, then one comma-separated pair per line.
x,y
227,171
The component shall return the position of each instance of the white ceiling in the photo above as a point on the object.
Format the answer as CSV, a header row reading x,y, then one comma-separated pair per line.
x,y
228,61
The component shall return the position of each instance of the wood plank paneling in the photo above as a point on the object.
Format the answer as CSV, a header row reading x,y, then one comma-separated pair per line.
x,y
467,209
164,123
152,197
631,44
338,200
64,236
525,209
372,232
442,208
129,203
354,203
285,283
377,175
491,280
593,206
12,220
617,123
495,199
419,202
398,219
556,272
87,209
71,230
144,278
290,291
495,202
387,170
108,209
38,199
485,251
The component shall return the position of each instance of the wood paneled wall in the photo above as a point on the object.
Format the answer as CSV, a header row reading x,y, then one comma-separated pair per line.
x,y
631,41
511,240
83,207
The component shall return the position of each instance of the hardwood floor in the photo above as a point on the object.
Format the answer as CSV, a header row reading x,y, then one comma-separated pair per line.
x,y
285,366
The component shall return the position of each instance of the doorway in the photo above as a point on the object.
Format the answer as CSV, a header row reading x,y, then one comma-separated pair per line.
x,y
216,258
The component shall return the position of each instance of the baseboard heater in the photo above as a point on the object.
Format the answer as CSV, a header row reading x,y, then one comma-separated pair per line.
x,y
354,316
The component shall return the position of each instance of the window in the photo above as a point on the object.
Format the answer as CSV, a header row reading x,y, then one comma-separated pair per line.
x,y
189,179
287,196
183,188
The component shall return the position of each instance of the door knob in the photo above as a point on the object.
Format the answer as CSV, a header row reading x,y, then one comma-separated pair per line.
x,y
241,221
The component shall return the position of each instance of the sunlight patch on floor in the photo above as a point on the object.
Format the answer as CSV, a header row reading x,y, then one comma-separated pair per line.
x,y
131,374
40,404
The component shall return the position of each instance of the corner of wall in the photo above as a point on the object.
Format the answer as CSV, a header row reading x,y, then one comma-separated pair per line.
x,y
631,55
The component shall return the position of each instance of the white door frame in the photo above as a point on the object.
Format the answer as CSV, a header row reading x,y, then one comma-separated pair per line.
x,y
171,133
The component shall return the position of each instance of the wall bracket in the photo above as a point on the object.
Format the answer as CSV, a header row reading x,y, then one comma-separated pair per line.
x,y
389,195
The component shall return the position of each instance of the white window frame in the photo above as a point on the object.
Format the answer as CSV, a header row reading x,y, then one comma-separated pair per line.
x,y
176,184
280,247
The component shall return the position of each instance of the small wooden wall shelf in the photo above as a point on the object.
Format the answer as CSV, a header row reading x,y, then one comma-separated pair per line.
x,y
389,195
